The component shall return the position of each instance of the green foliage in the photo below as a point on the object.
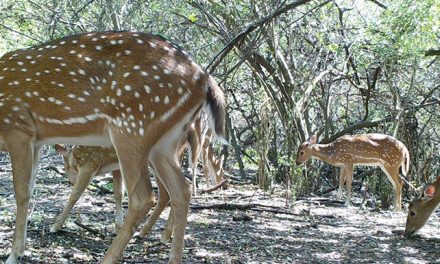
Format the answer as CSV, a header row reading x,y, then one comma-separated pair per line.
x,y
109,185
192,18
276,63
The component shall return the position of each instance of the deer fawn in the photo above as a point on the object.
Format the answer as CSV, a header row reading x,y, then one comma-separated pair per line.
x,y
133,91
369,150
81,163
420,209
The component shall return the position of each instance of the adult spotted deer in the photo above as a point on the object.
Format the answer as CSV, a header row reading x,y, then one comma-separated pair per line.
x,y
421,209
369,150
133,91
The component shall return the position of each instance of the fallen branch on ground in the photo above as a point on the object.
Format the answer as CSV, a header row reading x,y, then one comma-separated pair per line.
x,y
55,169
244,207
102,189
218,186
91,230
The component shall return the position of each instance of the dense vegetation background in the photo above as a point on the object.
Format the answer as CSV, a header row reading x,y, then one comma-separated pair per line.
x,y
289,68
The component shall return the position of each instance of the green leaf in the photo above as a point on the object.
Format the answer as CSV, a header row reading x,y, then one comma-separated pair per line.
x,y
192,18
333,47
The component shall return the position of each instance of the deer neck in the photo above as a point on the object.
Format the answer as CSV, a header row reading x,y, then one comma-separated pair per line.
x,y
324,152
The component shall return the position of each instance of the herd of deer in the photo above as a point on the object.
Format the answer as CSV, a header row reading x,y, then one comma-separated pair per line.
x,y
131,101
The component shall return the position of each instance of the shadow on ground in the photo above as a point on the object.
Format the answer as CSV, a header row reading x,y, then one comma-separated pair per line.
x,y
311,231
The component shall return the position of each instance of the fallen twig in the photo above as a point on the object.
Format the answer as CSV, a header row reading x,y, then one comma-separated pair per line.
x,y
218,186
90,229
253,207
224,206
55,169
102,189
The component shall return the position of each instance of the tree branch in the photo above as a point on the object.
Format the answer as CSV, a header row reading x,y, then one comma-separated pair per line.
x,y
232,43
356,126
432,52
22,34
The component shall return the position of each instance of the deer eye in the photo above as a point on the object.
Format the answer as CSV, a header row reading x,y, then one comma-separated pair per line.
x,y
301,153
412,213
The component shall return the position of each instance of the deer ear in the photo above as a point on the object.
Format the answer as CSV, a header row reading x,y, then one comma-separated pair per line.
x,y
313,139
60,149
429,192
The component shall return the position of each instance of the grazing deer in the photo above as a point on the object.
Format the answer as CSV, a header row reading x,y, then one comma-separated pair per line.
x,y
192,142
82,163
369,150
133,91
212,166
420,209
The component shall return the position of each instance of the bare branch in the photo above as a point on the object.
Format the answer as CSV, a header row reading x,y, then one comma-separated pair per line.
x,y
379,4
432,52
232,43
22,34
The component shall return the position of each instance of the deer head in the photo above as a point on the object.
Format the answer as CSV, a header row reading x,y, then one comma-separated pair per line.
x,y
421,209
70,164
304,151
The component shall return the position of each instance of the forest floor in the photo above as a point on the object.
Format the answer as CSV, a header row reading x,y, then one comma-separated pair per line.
x,y
312,230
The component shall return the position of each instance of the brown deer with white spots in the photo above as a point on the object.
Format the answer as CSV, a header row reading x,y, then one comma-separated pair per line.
x,y
133,91
368,150
420,209
82,163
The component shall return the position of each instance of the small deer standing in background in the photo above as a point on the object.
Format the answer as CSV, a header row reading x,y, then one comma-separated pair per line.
x,y
369,150
420,209
136,92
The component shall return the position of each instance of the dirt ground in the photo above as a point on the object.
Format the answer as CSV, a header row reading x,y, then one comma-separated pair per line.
x,y
312,230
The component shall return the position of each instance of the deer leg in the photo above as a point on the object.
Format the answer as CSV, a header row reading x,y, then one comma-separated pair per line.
x,y
349,181
398,193
194,181
205,164
168,231
194,145
193,166
341,182
117,191
84,177
133,161
180,193
164,198
393,176
24,158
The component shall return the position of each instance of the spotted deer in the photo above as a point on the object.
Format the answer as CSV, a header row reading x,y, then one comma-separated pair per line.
x,y
195,151
420,209
369,150
82,163
133,91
